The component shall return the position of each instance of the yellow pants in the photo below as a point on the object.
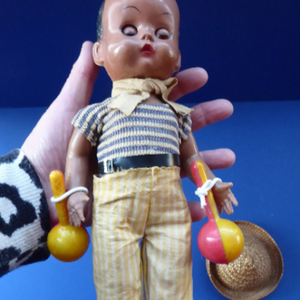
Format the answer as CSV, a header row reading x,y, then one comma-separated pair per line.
x,y
146,204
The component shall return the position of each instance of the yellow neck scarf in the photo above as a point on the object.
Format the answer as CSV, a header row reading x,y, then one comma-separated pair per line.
x,y
128,93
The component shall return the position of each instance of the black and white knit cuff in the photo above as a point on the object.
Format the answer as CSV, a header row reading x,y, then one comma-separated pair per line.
x,y
24,214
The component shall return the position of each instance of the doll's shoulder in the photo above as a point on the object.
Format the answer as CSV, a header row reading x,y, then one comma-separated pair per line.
x,y
184,119
185,125
99,105
94,112
99,108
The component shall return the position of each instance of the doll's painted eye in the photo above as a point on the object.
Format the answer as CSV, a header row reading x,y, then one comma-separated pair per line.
x,y
129,30
162,34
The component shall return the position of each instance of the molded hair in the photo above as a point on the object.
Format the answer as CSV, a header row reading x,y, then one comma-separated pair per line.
x,y
99,21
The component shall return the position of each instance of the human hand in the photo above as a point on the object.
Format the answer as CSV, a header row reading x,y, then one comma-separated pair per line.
x,y
46,147
75,206
204,114
224,197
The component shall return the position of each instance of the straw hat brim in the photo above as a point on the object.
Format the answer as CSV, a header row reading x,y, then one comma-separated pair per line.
x,y
256,273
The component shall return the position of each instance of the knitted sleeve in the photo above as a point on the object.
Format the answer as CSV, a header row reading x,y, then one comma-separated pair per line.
x,y
185,126
24,215
89,121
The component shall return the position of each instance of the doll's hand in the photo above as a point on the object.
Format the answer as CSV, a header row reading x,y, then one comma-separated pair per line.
x,y
75,206
224,197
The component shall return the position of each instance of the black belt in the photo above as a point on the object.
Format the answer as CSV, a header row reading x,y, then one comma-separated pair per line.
x,y
135,162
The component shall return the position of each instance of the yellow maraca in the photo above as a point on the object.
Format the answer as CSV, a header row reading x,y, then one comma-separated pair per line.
x,y
65,242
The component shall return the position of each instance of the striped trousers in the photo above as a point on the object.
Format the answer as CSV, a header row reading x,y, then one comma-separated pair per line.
x,y
146,204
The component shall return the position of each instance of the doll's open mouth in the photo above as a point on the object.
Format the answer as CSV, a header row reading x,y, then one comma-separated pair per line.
x,y
147,49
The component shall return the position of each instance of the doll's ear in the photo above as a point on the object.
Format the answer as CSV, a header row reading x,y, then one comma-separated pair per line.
x,y
178,64
97,54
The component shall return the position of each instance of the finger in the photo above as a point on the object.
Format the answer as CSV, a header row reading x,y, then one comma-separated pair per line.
x,y
71,219
76,220
215,159
78,223
210,112
233,200
228,185
220,208
229,207
227,211
88,212
189,81
219,158
197,213
225,207
81,216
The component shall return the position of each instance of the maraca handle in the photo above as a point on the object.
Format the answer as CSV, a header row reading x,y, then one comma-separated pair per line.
x,y
58,188
200,177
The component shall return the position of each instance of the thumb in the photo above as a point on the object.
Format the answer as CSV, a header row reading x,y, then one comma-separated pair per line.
x,y
228,185
77,91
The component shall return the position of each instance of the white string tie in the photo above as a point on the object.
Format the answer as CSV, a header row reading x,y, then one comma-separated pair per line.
x,y
68,193
202,191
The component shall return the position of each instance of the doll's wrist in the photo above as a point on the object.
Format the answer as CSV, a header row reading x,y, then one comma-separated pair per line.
x,y
218,185
76,190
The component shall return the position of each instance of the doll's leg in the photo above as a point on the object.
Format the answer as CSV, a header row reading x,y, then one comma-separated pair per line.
x,y
166,248
118,224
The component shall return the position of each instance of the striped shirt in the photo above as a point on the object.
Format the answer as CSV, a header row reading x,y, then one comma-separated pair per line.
x,y
150,129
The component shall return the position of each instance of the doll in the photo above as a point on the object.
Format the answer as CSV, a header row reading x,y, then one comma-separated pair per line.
x,y
140,139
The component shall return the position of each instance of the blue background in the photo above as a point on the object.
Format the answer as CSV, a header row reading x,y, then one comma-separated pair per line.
x,y
251,52
250,48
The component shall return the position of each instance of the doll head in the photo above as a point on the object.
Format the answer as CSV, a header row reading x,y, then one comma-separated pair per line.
x,y
138,39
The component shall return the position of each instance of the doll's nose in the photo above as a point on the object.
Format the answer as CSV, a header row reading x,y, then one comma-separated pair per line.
x,y
146,35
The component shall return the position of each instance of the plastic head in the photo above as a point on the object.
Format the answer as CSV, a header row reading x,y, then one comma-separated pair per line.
x,y
139,39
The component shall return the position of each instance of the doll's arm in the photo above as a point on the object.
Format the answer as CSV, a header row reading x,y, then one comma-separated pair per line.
x,y
222,193
77,169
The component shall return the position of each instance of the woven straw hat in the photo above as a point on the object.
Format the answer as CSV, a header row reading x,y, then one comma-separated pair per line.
x,y
255,273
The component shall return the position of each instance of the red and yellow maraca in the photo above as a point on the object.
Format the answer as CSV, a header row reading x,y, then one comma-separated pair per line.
x,y
65,242
220,241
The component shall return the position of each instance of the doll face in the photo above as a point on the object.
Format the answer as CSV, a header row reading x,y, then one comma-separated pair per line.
x,y
140,39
